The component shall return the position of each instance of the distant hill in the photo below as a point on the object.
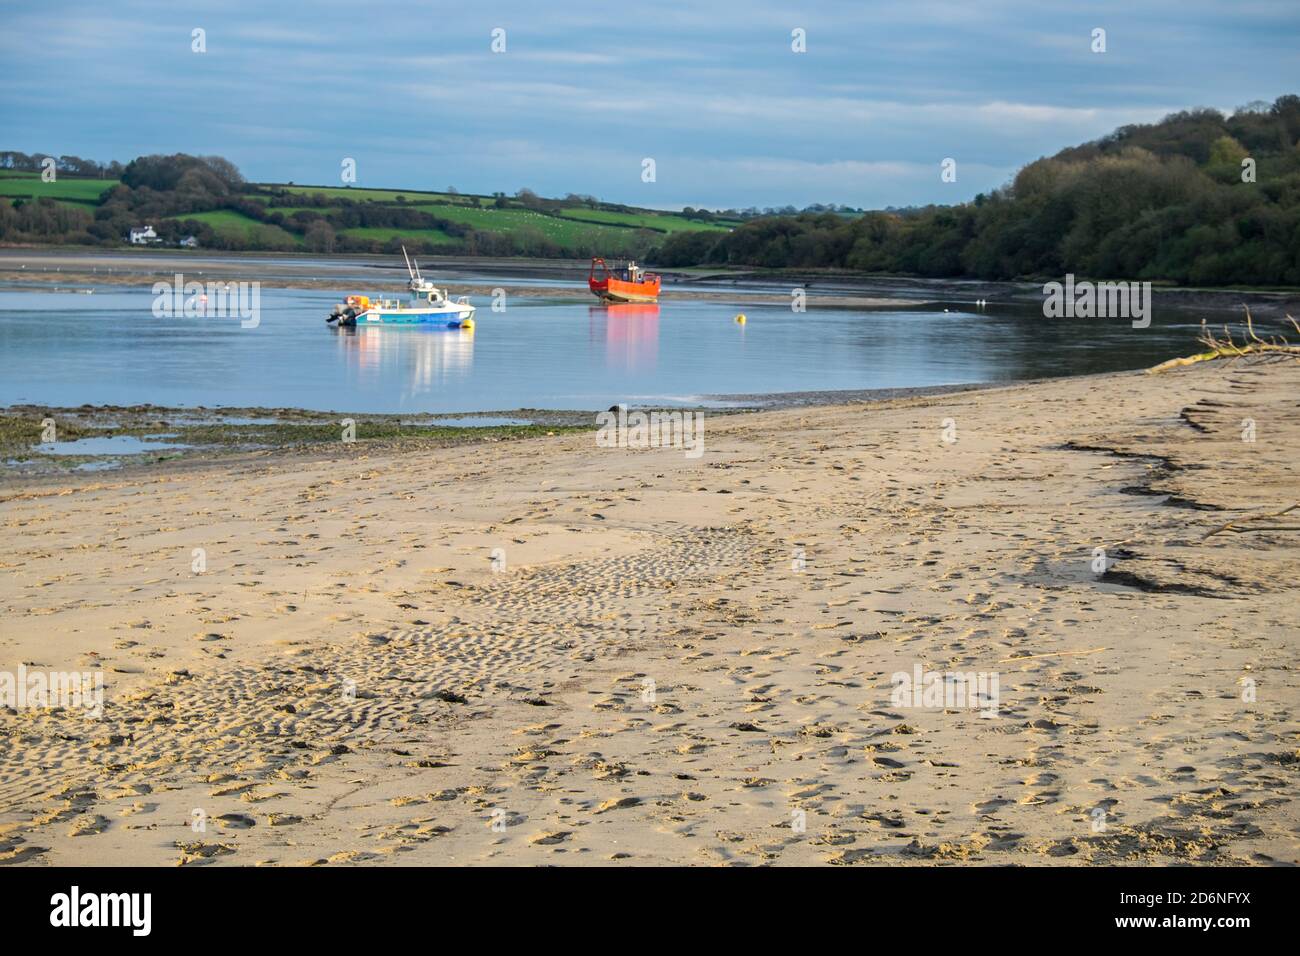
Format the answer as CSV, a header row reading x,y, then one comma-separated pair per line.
x,y
207,197
1199,198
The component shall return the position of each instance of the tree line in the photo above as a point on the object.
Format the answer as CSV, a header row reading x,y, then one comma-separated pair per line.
x,y
1199,198
72,165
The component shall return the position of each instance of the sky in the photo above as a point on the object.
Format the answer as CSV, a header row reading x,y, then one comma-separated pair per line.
x,y
582,94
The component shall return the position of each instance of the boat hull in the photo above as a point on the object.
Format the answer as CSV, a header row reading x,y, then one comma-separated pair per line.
x,y
611,296
634,285
451,317
618,290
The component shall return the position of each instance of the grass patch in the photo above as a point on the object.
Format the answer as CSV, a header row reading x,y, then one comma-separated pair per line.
x,y
663,222
572,228
30,186
515,221
373,195
384,233
229,222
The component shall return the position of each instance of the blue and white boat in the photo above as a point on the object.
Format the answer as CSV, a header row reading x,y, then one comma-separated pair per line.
x,y
427,305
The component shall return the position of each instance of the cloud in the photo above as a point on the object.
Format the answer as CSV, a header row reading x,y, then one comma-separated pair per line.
x,y
712,91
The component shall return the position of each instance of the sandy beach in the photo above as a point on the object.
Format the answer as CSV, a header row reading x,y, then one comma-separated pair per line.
x,y
549,652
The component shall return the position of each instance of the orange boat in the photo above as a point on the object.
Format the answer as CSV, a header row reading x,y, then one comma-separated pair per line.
x,y
631,284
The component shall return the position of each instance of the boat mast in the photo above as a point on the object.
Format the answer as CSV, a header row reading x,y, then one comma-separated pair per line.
x,y
413,273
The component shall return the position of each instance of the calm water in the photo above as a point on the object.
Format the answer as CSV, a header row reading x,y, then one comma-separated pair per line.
x,y
63,348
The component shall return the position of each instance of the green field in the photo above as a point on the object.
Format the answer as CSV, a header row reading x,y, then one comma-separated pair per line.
x,y
233,223
373,195
29,186
513,221
665,222
571,227
384,233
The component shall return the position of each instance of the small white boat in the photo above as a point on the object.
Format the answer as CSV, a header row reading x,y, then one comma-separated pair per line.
x,y
427,305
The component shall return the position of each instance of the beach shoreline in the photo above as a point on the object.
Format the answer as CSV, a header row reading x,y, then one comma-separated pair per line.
x,y
545,651
206,434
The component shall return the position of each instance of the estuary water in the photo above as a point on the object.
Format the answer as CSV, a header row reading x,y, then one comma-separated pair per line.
x,y
107,347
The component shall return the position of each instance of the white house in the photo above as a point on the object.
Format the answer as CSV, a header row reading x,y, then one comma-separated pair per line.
x,y
143,235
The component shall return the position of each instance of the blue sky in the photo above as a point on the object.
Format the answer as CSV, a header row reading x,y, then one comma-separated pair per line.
x,y
585,91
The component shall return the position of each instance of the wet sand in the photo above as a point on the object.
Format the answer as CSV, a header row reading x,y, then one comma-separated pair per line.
x,y
682,661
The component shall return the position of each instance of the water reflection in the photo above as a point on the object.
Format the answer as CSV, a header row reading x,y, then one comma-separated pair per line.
x,y
631,333
420,358
108,348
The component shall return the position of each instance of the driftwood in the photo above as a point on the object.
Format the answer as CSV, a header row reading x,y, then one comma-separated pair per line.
x,y
1235,526
1275,347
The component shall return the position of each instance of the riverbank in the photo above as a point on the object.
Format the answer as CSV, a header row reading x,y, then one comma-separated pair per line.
x,y
53,441
565,278
546,651
528,278
113,437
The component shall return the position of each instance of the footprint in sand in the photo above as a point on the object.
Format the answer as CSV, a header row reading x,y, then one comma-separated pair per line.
x,y
89,825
